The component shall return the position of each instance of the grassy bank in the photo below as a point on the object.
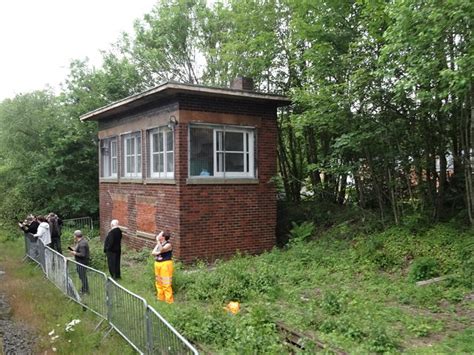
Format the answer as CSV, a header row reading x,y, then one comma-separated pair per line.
x,y
35,301
343,289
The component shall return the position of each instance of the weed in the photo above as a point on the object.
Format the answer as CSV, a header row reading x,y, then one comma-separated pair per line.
x,y
301,232
423,269
331,303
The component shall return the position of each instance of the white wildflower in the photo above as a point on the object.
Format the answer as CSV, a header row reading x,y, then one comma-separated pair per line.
x,y
51,332
71,324
54,349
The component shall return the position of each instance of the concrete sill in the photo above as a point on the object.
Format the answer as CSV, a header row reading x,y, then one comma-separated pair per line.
x,y
109,180
146,235
160,181
131,181
219,181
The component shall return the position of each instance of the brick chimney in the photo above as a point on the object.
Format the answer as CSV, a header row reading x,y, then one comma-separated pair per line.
x,y
242,83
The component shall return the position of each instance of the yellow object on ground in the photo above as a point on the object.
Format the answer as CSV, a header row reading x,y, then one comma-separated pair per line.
x,y
163,280
233,307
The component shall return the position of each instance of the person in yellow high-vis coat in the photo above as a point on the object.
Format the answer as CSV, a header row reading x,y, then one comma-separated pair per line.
x,y
163,253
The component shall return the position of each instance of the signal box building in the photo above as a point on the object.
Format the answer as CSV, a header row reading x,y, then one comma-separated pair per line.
x,y
197,161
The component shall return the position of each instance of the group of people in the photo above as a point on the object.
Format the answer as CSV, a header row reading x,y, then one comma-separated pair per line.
x,y
48,230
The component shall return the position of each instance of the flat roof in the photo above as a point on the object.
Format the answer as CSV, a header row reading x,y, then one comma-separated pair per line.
x,y
169,89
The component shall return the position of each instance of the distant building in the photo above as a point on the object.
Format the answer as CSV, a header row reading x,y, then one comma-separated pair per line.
x,y
197,161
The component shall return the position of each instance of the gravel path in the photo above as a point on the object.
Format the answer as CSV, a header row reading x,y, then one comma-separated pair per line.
x,y
15,338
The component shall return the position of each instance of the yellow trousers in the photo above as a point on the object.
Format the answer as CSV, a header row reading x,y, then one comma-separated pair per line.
x,y
163,280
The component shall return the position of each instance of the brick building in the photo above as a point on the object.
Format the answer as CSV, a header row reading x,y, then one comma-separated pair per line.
x,y
197,161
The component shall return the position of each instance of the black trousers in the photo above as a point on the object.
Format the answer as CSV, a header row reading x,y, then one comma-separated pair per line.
x,y
82,271
113,261
56,245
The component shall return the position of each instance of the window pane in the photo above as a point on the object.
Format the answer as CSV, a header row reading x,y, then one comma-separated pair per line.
x,y
139,164
160,163
234,162
132,164
169,140
169,162
155,163
160,142
129,166
234,141
114,165
113,148
201,151
154,144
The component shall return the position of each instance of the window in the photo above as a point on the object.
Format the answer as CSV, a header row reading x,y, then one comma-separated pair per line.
x,y
108,157
132,155
161,153
221,152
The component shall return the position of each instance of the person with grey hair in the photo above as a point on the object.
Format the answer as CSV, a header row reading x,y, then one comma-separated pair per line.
x,y
113,249
82,256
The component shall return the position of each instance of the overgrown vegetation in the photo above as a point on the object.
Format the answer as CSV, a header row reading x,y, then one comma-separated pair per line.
x,y
351,291
346,287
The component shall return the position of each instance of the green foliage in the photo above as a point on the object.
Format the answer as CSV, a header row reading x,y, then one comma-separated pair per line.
x,y
301,232
423,269
98,259
331,304
380,342
236,280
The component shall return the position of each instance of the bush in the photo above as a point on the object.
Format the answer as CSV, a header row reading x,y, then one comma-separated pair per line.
x,y
300,233
331,304
238,279
98,259
423,269
380,342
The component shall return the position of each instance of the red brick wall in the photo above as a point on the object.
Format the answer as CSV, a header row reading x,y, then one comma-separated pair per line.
x,y
207,221
218,220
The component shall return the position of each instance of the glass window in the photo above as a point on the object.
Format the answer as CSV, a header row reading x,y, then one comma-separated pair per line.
x,y
221,152
161,153
108,157
132,144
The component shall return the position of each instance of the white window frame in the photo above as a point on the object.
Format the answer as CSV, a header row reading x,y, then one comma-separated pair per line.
x,y
134,152
248,152
109,161
165,174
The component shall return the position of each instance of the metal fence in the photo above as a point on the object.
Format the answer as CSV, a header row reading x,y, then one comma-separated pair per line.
x,y
82,223
129,314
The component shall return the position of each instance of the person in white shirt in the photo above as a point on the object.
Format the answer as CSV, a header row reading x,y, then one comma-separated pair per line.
x,y
43,232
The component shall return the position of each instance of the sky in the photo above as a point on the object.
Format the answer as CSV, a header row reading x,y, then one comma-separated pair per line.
x,y
39,38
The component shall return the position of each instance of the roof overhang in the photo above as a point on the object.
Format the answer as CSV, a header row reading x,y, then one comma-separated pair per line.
x,y
170,89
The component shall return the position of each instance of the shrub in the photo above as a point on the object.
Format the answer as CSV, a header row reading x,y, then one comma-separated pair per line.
x,y
301,232
423,269
380,342
331,304
97,257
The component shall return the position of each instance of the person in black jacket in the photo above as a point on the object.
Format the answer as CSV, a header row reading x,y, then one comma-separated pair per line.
x,y
113,249
30,225
55,228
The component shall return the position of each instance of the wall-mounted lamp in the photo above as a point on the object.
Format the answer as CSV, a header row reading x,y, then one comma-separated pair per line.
x,y
172,123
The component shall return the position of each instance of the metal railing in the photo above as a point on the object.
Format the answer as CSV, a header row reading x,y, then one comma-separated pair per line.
x,y
129,314
82,223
